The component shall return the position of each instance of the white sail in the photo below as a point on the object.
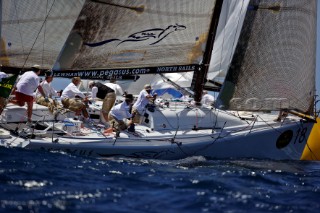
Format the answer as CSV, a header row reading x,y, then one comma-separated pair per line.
x,y
34,31
229,28
119,38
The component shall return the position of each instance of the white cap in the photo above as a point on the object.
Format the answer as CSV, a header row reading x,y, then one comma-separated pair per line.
x,y
147,86
36,66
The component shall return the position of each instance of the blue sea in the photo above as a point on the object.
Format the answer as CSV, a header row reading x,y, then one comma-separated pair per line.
x,y
40,181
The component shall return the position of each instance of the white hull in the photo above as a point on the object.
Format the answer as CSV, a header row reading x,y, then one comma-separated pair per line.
x,y
217,135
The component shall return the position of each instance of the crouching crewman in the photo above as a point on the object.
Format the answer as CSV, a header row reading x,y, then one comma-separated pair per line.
x,y
120,112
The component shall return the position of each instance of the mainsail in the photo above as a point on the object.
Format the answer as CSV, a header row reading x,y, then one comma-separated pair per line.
x,y
274,63
118,38
34,31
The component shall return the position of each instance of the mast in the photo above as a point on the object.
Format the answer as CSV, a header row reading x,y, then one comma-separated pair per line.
x,y
199,77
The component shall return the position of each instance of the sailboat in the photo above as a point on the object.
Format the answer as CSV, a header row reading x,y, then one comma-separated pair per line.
x,y
267,66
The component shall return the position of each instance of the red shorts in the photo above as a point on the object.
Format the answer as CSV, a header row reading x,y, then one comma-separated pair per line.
x,y
22,98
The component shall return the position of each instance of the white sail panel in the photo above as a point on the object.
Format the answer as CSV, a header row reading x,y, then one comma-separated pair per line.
x,y
34,31
142,33
228,31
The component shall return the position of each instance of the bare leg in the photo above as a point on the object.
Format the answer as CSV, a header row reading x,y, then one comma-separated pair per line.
x,y
108,103
105,116
29,110
84,112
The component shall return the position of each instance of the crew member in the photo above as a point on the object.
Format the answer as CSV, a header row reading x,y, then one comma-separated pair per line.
x,y
72,98
49,92
144,98
25,88
120,112
107,95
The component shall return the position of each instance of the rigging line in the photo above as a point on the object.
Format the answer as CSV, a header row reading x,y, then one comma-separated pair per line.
x,y
172,140
258,116
239,116
183,90
179,144
210,112
236,131
183,75
153,80
216,121
213,142
164,118
254,121
313,156
13,141
164,82
45,20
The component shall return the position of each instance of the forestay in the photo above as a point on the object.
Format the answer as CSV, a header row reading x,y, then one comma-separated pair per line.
x,y
34,31
274,63
118,38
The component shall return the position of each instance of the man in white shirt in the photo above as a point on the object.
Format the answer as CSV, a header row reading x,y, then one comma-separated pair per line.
x,y
49,93
207,99
113,85
69,100
25,88
120,112
143,99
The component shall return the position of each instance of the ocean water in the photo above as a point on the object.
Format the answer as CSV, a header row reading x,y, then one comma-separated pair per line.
x,y
40,181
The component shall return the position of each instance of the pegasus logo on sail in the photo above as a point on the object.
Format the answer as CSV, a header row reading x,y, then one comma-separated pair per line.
x,y
154,35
